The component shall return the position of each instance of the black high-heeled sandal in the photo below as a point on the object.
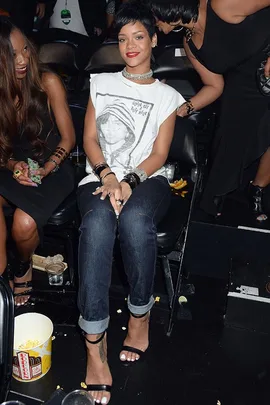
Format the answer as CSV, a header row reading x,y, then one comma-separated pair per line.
x,y
132,349
96,387
20,270
255,198
219,202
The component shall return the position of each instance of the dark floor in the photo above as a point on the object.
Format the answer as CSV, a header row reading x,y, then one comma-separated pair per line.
x,y
202,362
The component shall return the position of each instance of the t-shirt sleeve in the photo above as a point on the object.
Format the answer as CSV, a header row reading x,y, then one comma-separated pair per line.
x,y
93,88
171,100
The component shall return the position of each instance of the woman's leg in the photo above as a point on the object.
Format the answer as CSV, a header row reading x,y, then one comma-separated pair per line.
x,y
97,237
25,234
262,178
3,237
137,232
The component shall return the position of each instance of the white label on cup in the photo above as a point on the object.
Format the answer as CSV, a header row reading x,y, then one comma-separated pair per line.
x,y
24,365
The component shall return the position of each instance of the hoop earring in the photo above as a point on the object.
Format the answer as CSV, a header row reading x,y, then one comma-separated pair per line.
x,y
178,30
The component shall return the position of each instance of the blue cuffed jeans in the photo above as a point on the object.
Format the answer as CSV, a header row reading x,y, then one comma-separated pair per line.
x,y
136,229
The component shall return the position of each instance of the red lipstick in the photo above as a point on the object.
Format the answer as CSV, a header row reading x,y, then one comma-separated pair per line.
x,y
132,54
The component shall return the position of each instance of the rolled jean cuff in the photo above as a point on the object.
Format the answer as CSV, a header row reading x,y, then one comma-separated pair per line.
x,y
140,310
93,327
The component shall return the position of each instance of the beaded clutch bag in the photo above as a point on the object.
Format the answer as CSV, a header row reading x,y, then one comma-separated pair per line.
x,y
263,81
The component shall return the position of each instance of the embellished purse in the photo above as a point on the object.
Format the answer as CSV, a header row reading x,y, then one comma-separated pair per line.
x,y
263,82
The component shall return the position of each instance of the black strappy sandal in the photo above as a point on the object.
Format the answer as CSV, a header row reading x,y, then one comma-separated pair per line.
x,y
96,387
132,349
20,271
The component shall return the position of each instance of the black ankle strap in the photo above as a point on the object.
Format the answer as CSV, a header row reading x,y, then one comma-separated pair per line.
x,y
21,268
95,341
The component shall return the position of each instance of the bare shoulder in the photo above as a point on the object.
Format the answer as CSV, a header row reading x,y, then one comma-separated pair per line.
x,y
235,11
51,81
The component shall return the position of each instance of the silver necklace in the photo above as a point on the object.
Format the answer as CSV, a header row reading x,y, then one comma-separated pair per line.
x,y
137,76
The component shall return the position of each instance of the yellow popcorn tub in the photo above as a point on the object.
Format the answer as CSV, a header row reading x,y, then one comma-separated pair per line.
x,y
32,350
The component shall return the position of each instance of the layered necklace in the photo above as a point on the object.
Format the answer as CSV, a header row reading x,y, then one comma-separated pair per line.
x,y
137,76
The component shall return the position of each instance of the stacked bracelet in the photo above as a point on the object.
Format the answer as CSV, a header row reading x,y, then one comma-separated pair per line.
x,y
132,179
56,165
189,107
99,167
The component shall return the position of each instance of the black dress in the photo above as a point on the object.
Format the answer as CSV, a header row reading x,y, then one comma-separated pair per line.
x,y
243,134
39,202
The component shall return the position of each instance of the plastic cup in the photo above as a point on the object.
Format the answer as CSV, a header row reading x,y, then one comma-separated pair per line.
x,y
55,273
12,403
78,397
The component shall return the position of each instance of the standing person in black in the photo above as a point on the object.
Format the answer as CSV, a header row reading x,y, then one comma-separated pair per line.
x,y
226,41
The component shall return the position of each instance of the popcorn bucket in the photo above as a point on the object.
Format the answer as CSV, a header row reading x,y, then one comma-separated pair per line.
x,y
32,348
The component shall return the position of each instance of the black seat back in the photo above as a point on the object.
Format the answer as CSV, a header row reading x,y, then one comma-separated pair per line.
x,y
60,56
172,64
183,148
106,59
6,337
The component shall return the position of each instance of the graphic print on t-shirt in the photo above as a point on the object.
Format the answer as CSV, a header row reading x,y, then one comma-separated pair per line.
x,y
120,127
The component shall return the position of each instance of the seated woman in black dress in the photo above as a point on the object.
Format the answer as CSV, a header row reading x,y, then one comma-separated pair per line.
x,y
33,106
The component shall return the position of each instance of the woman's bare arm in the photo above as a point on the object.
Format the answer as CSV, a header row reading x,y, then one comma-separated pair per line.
x,y
235,12
213,85
59,105
161,147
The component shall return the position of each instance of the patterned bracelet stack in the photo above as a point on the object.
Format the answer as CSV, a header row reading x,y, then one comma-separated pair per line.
x,y
61,154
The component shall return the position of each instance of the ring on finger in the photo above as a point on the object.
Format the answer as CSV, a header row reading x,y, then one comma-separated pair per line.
x,y
120,202
17,173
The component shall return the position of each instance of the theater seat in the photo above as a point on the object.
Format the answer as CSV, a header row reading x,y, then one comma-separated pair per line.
x,y
6,337
172,231
106,59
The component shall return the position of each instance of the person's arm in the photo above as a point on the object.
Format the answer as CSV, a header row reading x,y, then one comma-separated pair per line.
x,y
161,147
234,12
159,153
212,89
40,10
58,103
110,185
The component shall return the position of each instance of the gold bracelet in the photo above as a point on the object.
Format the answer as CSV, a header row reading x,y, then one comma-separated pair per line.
x,y
189,107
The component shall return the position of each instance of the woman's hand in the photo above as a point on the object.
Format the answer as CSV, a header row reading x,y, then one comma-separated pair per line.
x,y
267,68
42,172
40,10
111,188
126,191
182,111
21,174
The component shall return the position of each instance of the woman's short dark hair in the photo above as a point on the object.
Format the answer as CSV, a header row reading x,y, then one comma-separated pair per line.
x,y
174,10
133,11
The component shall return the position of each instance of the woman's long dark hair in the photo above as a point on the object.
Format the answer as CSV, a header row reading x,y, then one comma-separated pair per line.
x,y
21,105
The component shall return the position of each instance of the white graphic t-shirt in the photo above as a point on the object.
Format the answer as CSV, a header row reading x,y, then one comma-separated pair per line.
x,y
71,20
128,117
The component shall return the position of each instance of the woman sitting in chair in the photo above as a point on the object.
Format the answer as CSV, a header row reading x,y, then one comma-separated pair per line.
x,y
129,127
34,176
